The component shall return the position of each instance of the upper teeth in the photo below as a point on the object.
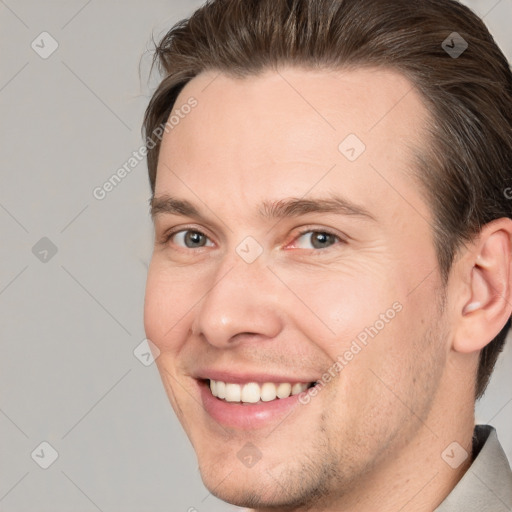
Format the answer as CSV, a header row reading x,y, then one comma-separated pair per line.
x,y
252,392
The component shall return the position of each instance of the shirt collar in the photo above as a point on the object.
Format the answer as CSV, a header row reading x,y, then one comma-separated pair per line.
x,y
487,484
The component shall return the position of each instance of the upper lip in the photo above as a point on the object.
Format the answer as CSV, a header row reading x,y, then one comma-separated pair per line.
x,y
245,377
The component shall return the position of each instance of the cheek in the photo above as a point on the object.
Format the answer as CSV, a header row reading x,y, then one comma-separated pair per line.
x,y
168,307
339,307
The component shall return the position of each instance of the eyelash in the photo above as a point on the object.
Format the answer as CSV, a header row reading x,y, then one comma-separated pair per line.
x,y
167,237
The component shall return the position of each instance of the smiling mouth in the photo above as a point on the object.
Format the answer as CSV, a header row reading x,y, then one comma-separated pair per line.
x,y
253,392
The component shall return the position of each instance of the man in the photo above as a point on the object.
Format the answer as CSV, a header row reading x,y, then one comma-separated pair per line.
x,y
331,279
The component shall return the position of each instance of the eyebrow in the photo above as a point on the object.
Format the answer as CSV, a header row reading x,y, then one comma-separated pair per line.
x,y
269,209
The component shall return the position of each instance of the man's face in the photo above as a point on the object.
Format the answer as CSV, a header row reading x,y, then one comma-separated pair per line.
x,y
298,253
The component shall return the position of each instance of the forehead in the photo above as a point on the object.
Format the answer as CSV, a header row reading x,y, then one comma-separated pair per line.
x,y
287,129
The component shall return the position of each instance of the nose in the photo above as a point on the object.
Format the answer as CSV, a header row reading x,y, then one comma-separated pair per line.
x,y
242,303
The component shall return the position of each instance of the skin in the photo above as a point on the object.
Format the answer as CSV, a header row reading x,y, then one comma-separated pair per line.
x,y
373,436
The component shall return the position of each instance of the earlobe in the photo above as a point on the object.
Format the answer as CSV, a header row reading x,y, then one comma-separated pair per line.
x,y
489,305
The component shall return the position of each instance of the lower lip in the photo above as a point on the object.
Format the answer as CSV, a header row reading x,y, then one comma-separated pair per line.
x,y
246,416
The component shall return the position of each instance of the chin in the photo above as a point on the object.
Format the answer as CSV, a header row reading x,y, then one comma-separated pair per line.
x,y
297,484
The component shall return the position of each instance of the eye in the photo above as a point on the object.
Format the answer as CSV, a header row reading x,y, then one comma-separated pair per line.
x,y
316,240
190,239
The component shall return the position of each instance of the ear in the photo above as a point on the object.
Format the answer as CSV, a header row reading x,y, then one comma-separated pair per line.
x,y
486,298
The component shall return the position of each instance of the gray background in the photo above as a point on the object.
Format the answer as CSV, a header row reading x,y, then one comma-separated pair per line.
x,y
70,323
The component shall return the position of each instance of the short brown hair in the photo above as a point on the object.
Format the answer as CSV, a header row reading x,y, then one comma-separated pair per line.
x,y
468,162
